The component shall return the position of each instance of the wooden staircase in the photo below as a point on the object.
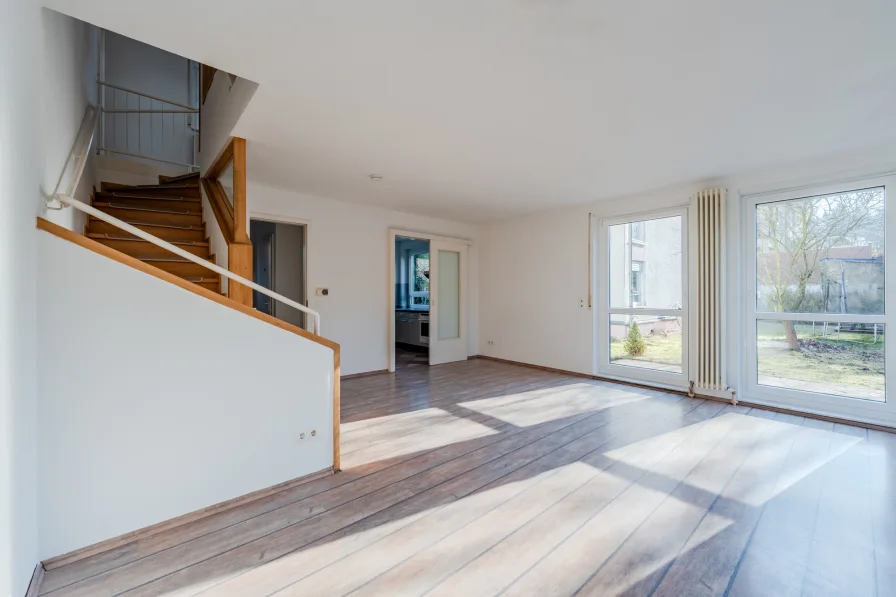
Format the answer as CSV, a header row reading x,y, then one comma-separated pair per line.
x,y
170,210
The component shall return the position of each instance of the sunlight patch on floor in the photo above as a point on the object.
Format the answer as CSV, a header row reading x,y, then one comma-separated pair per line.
x,y
398,419
526,409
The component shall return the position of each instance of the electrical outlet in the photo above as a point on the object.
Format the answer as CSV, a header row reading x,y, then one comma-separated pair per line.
x,y
491,342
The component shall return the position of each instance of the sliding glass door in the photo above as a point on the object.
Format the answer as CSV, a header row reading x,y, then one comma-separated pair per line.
x,y
819,306
642,298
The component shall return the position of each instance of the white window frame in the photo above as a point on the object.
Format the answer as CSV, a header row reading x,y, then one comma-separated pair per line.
x,y
412,276
603,310
823,404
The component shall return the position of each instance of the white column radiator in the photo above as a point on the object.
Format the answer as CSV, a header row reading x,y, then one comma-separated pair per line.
x,y
710,234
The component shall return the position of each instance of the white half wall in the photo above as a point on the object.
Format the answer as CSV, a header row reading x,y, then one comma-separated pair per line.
x,y
148,427
348,254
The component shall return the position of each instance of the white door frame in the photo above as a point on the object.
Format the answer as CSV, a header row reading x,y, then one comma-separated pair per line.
x,y
603,366
390,290
255,215
824,404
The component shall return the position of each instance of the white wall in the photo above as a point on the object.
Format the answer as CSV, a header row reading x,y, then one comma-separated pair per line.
x,y
149,70
348,253
146,68
20,174
147,429
222,109
68,86
534,269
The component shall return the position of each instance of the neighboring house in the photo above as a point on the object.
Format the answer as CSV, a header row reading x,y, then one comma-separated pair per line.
x,y
645,271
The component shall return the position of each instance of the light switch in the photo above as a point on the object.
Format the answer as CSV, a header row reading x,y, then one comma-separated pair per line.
x,y
323,292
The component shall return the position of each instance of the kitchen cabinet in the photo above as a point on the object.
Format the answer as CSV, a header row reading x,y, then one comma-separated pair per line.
x,y
407,327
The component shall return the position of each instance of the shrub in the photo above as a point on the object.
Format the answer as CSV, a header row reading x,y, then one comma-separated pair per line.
x,y
634,342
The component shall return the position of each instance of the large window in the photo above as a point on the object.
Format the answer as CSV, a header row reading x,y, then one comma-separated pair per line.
x,y
642,298
819,313
419,279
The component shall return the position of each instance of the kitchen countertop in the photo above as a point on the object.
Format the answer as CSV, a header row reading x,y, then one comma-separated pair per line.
x,y
406,310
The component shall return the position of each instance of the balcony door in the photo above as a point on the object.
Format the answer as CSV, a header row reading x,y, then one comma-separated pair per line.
x,y
642,298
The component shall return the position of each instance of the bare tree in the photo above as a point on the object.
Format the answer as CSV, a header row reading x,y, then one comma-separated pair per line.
x,y
793,236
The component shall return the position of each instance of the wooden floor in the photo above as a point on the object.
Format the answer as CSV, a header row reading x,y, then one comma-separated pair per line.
x,y
482,478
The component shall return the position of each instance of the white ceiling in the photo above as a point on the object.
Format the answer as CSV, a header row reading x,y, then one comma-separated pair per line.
x,y
480,109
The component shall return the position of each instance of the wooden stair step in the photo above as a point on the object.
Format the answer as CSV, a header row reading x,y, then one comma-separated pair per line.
x,y
182,268
144,249
165,232
158,203
184,178
172,217
189,191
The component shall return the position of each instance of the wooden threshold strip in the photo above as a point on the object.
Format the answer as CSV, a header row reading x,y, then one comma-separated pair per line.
x,y
101,249
745,403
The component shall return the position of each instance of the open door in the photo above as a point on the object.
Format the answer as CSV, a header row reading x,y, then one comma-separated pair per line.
x,y
448,302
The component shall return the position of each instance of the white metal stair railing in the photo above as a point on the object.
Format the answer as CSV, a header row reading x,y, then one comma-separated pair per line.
x,y
61,199
149,134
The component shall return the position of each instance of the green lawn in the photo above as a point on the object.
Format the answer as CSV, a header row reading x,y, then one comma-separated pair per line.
x,y
853,360
665,350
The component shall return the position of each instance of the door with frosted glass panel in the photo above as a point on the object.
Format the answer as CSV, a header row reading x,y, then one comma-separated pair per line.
x,y
447,302
642,298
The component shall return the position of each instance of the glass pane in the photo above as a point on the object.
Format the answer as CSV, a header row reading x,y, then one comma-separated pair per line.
x,y
449,295
843,359
822,254
647,342
226,180
421,272
645,264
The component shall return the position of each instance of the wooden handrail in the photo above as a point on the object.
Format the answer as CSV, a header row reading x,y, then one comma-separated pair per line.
x,y
133,262
232,218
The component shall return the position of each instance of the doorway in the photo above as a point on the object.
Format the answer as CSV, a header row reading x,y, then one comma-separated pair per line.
x,y
428,300
279,256
412,296
642,326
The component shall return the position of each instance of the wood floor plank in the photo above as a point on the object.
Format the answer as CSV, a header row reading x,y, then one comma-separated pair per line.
x,y
456,482
512,556
774,562
416,462
189,566
642,560
508,502
841,557
375,495
715,547
484,478
566,568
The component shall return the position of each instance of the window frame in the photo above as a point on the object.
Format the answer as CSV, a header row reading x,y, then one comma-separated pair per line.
x,y
640,277
604,309
412,275
824,404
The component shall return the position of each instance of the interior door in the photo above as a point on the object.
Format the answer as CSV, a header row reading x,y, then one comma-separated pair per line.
x,y
642,326
447,302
